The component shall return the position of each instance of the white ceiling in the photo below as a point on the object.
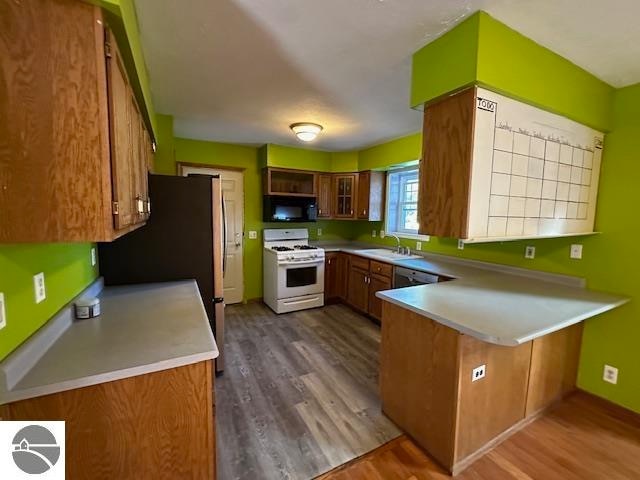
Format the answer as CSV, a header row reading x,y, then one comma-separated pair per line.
x,y
243,70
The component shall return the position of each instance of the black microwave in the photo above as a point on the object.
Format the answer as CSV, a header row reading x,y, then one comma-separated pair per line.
x,y
282,208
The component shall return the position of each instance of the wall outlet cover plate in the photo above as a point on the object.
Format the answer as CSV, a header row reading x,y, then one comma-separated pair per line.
x,y
530,252
576,251
418,245
460,244
478,373
610,374
39,289
93,257
3,312
253,234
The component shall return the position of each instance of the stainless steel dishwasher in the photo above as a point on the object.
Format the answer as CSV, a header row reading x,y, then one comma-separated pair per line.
x,y
405,277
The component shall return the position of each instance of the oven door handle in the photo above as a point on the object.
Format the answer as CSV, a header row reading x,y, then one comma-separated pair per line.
x,y
307,262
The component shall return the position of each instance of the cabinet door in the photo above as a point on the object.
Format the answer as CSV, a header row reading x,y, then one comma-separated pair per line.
x,y
325,196
122,153
364,183
377,284
330,276
445,168
342,275
345,196
137,162
358,291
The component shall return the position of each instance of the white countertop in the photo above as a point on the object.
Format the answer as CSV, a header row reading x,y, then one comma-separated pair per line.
x,y
494,303
142,329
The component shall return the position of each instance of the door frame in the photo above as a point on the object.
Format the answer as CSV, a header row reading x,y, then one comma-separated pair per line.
x,y
180,166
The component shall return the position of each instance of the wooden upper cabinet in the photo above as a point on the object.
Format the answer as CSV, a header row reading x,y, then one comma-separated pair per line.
x,y
445,167
325,195
345,191
64,119
283,181
371,193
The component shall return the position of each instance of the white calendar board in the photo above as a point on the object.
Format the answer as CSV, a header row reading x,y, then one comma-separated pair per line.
x,y
534,173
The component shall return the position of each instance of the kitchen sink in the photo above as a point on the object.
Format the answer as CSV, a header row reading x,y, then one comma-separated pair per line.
x,y
385,254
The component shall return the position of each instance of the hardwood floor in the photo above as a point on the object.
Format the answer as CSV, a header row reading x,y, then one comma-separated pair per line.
x,y
581,439
299,395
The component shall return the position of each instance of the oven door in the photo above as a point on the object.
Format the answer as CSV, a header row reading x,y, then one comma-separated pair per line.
x,y
300,277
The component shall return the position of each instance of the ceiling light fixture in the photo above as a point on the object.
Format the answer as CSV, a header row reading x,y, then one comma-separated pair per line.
x,y
307,132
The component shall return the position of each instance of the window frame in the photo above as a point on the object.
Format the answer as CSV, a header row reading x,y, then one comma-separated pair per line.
x,y
396,231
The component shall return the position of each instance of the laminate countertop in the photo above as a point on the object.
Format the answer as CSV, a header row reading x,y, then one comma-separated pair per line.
x,y
494,303
142,329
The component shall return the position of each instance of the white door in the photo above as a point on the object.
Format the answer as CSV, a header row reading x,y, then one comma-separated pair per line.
x,y
233,194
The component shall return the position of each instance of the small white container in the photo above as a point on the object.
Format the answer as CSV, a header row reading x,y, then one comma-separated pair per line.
x,y
87,308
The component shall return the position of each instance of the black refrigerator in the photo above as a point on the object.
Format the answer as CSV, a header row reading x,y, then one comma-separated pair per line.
x,y
184,238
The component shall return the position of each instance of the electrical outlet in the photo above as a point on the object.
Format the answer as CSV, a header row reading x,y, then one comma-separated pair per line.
x,y
460,244
319,232
478,373
610,374
576,251
426,238
3,314
374,233
381,233
253,234
39,287
530,252
418,245
93,257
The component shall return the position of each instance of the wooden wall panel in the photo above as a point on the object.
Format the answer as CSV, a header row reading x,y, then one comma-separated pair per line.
x,y
554,367
445,167
494,403
53,123
418,379
159,425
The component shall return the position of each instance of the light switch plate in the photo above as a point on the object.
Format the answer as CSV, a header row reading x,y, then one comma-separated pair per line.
x,y
3,312
610,374
253,234
39,288
381,233
576,251
374,233
319,231
460,244
93,257
418,245
530,252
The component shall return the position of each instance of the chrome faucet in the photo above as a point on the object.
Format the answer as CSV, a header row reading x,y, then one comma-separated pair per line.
x,y
398,247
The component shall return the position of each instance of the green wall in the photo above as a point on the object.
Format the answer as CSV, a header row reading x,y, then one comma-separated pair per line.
x,y
483,50
398,152
272,155
67,271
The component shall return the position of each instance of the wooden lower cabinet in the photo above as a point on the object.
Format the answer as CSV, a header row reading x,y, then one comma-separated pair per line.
x,y
358,290
436,402
159,425
366,278
377,283
335,277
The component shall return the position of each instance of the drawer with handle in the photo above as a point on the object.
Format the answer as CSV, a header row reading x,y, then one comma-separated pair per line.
x,y
384,269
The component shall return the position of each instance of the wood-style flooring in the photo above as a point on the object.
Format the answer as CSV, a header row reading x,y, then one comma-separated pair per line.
x,y
299,395
581,439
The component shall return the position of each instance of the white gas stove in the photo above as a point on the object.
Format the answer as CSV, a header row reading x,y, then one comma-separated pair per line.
x,y
293,270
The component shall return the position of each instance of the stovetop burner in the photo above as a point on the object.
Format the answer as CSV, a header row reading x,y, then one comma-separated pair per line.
x,y
282,249
305,247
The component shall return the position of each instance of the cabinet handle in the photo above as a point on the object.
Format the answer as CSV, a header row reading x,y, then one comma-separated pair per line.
x,y
320,211
351,212
364,212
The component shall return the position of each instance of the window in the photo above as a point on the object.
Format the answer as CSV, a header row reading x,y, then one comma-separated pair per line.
x,y
402,202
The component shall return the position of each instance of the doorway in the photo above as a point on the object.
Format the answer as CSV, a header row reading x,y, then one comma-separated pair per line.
x,y
233,195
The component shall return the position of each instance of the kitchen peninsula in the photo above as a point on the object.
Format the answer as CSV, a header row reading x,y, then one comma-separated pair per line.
x,y
465,363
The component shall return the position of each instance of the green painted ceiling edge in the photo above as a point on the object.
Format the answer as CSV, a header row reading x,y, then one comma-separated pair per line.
x,y
483,51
